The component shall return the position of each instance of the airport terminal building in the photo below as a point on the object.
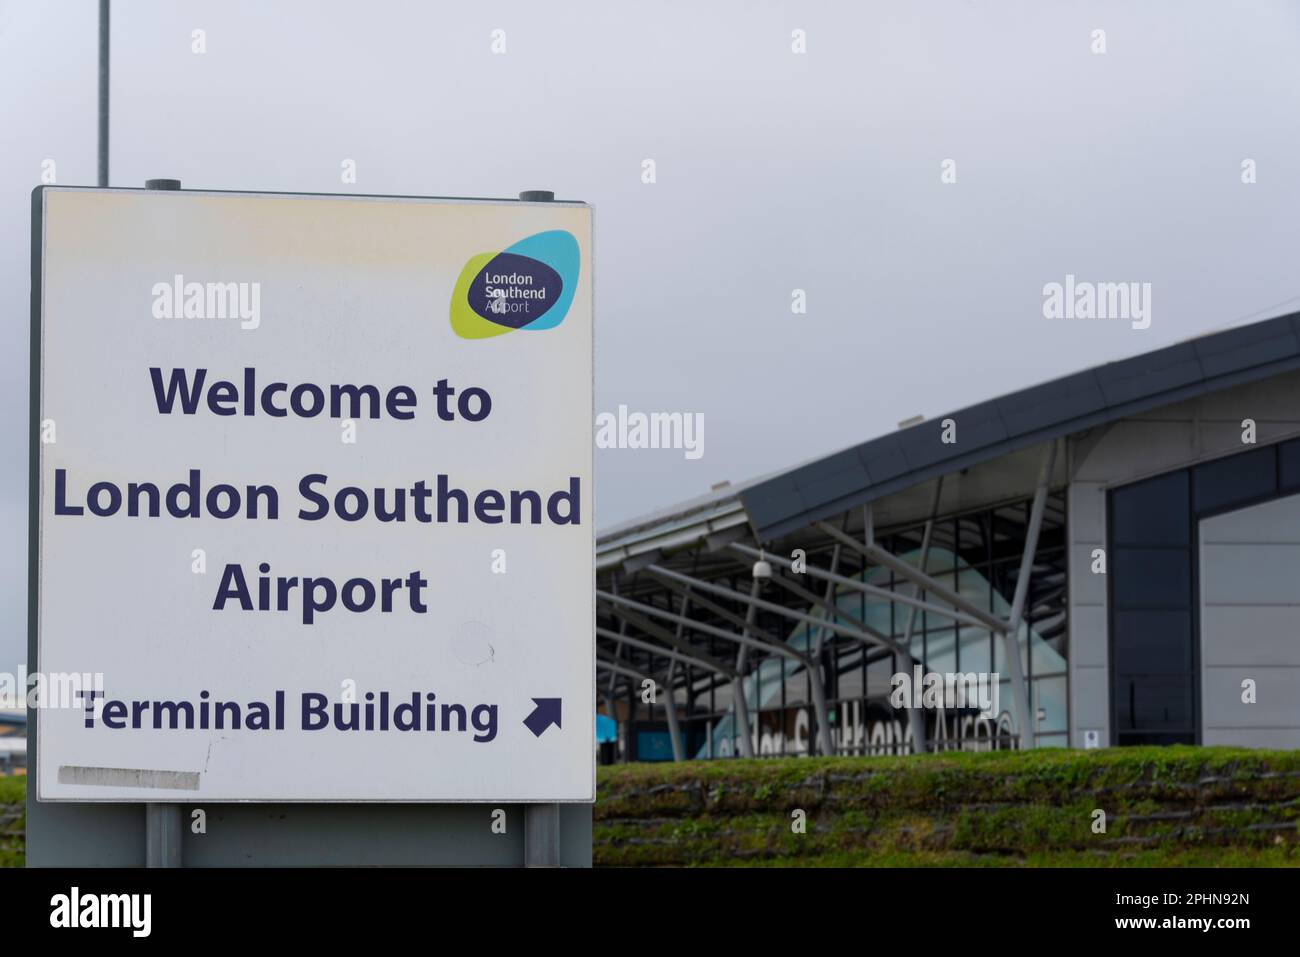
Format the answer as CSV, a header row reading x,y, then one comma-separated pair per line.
x,y
1119,547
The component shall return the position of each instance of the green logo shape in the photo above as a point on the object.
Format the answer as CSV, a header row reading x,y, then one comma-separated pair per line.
x,y
465,322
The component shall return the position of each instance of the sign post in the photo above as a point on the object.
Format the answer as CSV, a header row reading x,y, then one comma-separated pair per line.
x,y
313,502
162,823
542,821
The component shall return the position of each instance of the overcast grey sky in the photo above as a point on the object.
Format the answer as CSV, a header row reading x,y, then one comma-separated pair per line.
x,y
775,171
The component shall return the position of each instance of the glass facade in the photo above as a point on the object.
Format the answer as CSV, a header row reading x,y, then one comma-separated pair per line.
x,y
976,554
1153,607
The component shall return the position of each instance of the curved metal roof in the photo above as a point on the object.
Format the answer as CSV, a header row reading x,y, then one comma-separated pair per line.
x,y
860,474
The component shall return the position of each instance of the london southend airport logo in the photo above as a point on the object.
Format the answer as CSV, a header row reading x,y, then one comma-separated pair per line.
x,y
527,286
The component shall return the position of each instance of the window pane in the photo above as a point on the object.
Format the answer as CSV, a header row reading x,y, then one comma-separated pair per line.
x,y
1288,454
940,650
850,685
1152,577
1154,512
1153,641
1050,704
1153,702
976,650
1238,478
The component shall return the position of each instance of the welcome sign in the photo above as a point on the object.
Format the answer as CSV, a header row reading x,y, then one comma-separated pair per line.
x,y
322,527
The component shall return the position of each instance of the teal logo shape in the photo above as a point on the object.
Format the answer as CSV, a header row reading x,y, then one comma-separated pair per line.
x,y
528,286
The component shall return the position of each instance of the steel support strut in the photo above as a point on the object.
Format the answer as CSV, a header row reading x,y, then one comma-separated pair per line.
x,y
738,686
874,591
670,708
919,743
1011,637
913,574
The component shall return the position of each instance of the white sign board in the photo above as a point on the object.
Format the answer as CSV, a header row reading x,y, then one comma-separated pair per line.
x,y
315,498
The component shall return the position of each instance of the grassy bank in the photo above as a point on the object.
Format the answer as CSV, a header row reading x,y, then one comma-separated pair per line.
x,y
13,820
1177,806
1164,807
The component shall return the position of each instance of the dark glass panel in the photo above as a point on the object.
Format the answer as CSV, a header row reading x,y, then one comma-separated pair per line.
x,y
1147,702
1241,478
1152,577
1153,641
1288,454
1154,512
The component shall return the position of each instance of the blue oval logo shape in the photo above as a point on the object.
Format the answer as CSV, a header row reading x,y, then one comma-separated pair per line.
x,y
513,290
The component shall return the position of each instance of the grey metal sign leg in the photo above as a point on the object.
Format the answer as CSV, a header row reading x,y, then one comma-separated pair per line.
x,y
541,835
162,835
541,821
162,822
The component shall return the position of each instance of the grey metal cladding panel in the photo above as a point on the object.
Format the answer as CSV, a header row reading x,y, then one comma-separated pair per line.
x,y
883,458
978,426
1149,374
832,477
1249,346
824,510
769,502
1052,403
923,444
811,487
